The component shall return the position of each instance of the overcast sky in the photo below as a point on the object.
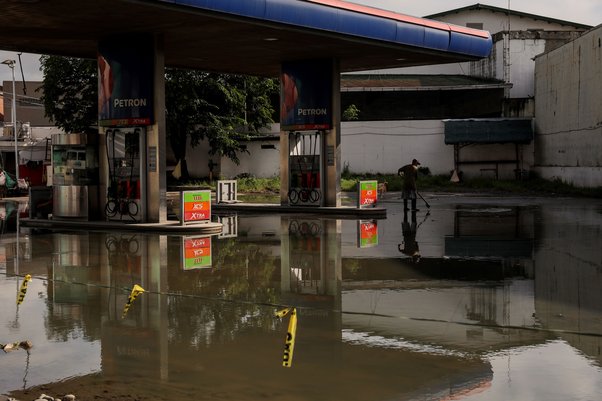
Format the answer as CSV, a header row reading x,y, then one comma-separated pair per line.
x,y
581,11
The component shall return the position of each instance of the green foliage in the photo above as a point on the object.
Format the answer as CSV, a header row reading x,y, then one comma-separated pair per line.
x,y
223,109
259,185
349,184
70,92
351,113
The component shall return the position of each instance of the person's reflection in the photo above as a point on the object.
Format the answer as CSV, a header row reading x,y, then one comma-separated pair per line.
x,y
410,246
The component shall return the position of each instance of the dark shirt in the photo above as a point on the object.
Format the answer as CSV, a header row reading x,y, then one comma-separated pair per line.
x,y
410,173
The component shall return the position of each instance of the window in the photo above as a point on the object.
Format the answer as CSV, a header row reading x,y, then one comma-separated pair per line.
x,y
475,25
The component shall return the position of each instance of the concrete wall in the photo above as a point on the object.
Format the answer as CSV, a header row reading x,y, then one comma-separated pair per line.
x,y
522,53
376,147
385,146
568,124
258,162
197,159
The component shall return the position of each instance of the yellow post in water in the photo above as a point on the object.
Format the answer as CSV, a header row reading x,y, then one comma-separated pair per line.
x,y
23,290
137,290
289,343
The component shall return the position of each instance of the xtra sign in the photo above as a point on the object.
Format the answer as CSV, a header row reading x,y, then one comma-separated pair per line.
x,y
195,207
196,252
367,193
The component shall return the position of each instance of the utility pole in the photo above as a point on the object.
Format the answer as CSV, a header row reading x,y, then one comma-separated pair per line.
x,y
11,65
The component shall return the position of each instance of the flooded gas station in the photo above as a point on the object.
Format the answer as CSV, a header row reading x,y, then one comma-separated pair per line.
x,y
473,298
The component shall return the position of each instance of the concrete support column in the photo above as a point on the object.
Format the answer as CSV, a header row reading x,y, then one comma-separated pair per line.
x,y
156,188
132,98
284,167
305,107
103,171
331,143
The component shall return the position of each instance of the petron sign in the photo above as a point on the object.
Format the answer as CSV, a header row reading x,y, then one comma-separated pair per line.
x,y
306,95
125,81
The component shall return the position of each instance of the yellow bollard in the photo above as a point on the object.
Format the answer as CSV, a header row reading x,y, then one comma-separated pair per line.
x,y
137,290
23,290
289,343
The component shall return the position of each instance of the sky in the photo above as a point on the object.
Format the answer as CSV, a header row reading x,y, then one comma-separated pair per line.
x,y
581,11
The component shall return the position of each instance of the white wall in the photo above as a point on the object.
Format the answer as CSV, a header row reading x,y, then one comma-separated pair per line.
x,y
45,132
381,147
197,160
522,53
258,162
385,146
568,109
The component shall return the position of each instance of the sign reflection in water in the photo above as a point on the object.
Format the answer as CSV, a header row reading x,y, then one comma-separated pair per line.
x,y
372,324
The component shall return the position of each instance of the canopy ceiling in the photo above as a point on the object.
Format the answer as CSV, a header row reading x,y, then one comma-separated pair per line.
x,y
241,36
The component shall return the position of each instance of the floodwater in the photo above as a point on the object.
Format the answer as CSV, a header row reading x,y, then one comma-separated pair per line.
x,y
476,298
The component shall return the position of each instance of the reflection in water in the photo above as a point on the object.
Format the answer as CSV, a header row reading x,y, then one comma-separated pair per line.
x,y
496,289
409,230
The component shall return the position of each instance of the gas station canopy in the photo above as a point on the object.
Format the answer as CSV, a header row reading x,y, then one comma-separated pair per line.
x,y
251,37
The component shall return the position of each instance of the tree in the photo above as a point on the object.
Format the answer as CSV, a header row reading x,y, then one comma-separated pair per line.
x,y
224,109
70,92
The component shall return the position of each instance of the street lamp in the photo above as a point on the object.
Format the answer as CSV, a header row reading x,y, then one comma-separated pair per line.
x,y
11,64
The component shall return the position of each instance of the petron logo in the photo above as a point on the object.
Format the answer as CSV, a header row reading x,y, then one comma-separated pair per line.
x,y
129,102
312,112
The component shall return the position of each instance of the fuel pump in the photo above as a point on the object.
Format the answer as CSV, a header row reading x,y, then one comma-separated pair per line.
x,y
123,189
305,168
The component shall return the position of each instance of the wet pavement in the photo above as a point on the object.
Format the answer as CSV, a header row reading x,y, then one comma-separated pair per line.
x,y
474,298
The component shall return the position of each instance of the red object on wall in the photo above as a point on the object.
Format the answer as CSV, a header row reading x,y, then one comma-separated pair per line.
x,y
33,172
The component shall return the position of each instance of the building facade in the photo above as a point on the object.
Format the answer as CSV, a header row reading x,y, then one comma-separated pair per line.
x,y
568,89
518,38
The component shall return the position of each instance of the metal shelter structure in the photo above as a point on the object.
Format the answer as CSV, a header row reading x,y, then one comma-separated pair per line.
x,y
254,37
487,131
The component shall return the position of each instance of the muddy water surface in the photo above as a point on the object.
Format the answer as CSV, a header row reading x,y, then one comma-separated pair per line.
x,y
472,299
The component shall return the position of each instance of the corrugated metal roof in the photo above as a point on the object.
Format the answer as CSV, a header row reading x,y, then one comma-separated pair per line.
x,y
495,130
351,82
